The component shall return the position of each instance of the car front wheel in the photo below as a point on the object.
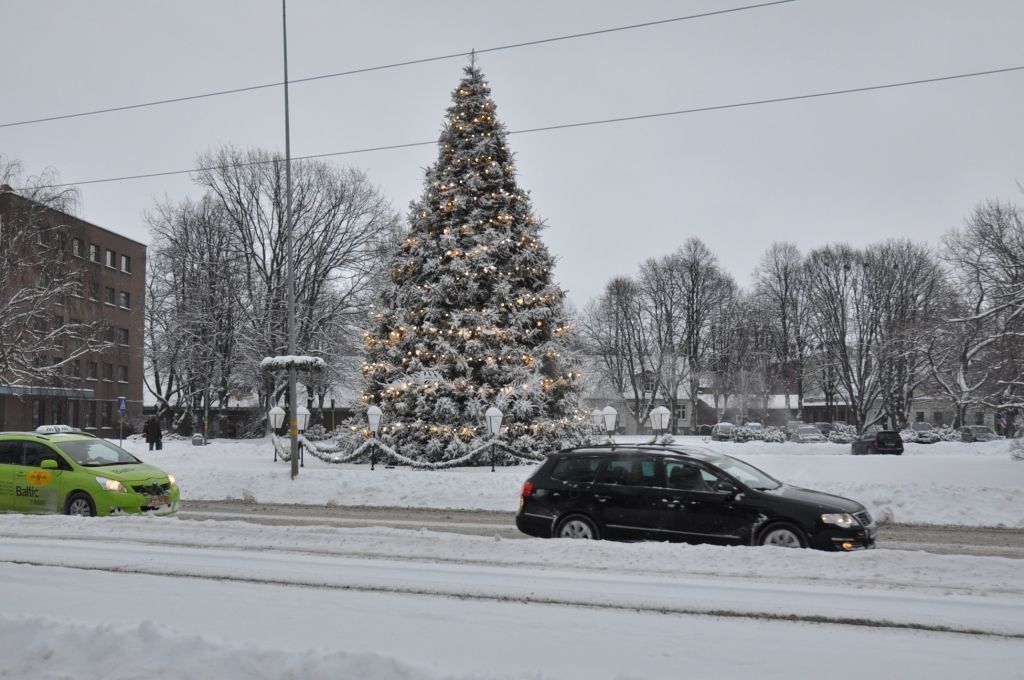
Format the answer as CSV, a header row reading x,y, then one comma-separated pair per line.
x,y
80,504
577,526
783,536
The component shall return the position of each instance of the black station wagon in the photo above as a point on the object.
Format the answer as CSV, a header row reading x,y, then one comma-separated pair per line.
x,y
685,494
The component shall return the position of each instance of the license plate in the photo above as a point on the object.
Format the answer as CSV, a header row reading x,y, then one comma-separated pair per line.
x,y
158,500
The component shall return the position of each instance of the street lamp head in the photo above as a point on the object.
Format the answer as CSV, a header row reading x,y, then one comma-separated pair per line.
x,y
276,415
609,414
301,418
494,416
373,416
659,419
596,417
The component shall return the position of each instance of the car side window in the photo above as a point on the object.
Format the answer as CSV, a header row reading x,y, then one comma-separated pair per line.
x,y
686,476
10,453
35,454
575,470
629,471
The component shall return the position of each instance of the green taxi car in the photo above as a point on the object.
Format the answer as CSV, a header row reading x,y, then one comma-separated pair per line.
x,y
58,469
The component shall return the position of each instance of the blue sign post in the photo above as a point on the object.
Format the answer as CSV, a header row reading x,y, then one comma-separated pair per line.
x,y
122,406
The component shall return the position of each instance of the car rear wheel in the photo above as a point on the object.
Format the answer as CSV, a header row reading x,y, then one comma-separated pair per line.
x,y
783,536
577,526
80,504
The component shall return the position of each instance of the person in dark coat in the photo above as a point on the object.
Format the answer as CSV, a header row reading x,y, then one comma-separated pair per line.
x,y
151,431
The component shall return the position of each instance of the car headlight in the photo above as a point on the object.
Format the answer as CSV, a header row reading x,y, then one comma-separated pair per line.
x,y
111,485
171,480
841,519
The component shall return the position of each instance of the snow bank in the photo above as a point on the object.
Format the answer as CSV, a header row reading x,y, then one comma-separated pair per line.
x,y
944,483
44,648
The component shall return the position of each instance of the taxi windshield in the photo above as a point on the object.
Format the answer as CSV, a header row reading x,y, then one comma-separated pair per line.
x,y
96,453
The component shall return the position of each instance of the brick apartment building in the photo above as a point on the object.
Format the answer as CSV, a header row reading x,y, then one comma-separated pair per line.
x,y
111,270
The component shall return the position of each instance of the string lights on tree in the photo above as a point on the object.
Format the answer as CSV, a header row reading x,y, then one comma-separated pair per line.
x,y
471,302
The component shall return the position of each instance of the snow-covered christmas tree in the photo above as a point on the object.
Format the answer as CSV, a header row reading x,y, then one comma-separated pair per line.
x,y
471,317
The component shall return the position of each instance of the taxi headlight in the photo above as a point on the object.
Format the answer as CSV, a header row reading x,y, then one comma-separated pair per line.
x,y
171,480
840,519
111,485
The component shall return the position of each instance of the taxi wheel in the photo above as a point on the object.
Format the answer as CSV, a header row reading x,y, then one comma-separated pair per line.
x,y
80,504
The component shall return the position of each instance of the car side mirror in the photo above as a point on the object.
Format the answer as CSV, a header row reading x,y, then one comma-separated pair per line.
x,y
48,464
726,487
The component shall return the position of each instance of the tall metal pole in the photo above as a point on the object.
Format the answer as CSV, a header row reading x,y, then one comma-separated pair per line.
x,y
293,405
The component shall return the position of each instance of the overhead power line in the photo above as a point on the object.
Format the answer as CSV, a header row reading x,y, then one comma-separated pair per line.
x,y
563,126
369,69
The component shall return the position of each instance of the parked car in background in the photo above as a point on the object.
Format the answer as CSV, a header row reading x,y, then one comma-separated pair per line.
x,y
806,434
824,428
924,433
791,427
682,493
878,441
755,427
722,432
977,433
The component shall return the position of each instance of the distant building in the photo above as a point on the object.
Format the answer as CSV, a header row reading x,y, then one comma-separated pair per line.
x,y
112,270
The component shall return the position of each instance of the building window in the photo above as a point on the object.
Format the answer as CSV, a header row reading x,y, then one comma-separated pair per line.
x,y
55,413
91,370
90,416
108,414
126,264
122,335
77,247
58,321
125,300
111,258
108,334
919,416
109,295
108,372
94,253
122,373
979,418
37,412
73,413
94,291
937,418
680,413
76,368
41,236
76,288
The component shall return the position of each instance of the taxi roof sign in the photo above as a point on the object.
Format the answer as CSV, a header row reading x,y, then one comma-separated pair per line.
x,y
54,429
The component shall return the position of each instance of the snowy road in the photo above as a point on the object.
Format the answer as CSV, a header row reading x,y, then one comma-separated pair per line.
x,y
445,603
986,541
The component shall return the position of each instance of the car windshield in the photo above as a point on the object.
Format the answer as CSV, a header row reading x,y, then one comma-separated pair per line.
x,y
96,453
748,474
808,429
922,427
983,429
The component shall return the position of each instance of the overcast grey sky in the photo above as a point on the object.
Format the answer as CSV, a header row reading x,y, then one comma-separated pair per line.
x,y
907,162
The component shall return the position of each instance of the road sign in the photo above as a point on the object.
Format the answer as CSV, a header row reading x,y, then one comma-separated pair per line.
x,y
122,404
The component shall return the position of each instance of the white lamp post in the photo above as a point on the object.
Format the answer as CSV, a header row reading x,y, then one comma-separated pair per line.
x,y
609,414
301,421
373,416
659,420
276,416
596,418
493,416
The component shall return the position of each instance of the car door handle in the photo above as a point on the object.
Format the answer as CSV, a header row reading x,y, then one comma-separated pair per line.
x,y
601,499
670,502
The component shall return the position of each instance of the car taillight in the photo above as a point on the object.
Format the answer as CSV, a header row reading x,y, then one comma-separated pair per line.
x,y
527,489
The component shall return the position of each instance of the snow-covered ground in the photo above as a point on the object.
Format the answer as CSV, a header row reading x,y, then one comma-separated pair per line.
x,y
943,483
135,597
